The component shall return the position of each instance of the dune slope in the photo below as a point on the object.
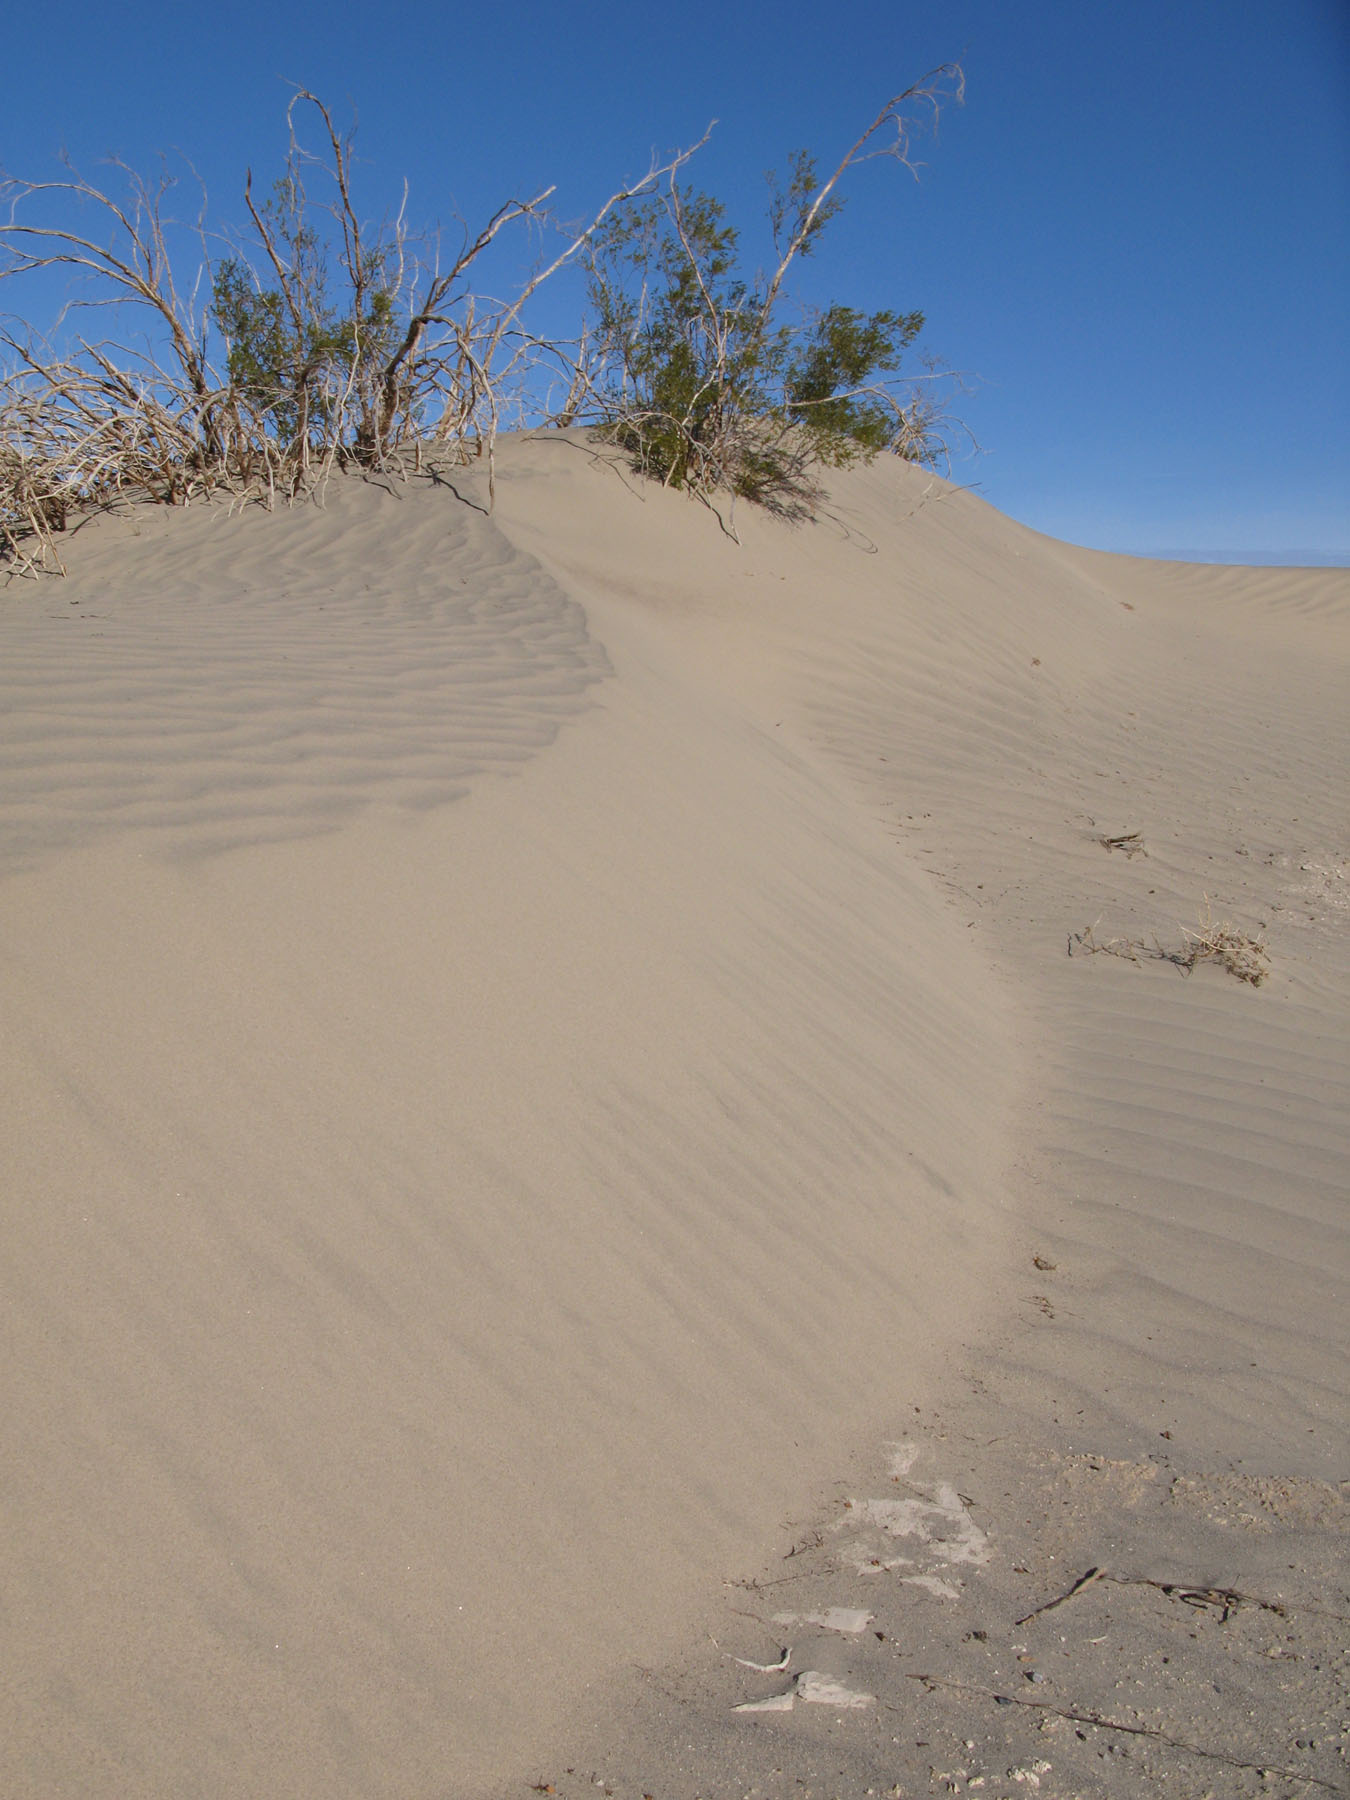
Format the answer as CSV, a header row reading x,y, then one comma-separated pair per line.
x,y
1091,757
530,1042
441,1237
1006,706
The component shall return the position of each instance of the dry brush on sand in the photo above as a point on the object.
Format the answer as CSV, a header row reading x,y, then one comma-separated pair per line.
x,y
1211,940
316,341
252,364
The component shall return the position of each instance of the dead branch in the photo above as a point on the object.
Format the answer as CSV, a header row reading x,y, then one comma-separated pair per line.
x,y
1050,1605
941,85
1220,941
1089,1716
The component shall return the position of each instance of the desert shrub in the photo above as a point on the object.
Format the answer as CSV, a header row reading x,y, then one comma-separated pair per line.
x,y
710,379
254,363
1211,941
316,340
291,351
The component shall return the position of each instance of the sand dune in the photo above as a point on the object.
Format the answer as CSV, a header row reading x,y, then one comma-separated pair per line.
x,y
530,1042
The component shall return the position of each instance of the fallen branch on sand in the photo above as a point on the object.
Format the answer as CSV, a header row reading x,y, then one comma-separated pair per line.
x,y
1224,1600
1050,1605
1089,1716
1131,842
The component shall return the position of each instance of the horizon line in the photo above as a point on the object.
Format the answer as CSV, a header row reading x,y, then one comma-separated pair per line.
x,y
1294,559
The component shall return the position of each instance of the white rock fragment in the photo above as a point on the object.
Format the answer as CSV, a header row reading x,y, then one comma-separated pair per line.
x,y
846,1619
943,1523
1030,1777
936,1518
826,1691
774,1703
904,1455
934,1584
813,1686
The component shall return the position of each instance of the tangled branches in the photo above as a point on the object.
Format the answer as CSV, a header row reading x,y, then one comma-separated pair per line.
x,y
314,342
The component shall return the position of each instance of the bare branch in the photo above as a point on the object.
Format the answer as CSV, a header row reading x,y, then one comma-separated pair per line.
x,y
948,80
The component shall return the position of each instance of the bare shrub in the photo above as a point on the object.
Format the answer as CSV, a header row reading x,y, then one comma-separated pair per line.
x,y
1228,945
313,341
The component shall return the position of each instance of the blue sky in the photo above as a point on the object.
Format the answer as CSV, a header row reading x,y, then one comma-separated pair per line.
x,y
1132,238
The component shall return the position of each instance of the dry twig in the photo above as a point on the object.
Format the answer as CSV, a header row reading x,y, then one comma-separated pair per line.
x,y
1050,1605
1131,842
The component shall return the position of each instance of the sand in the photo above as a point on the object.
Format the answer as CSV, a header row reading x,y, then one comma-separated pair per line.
x,y
543,1073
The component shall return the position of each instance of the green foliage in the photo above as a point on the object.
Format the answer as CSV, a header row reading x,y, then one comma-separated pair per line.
x,y
707,385
689,353
292,353
791,218
827,380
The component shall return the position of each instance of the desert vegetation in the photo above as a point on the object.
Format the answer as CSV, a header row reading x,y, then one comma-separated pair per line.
x,y
1211,940
251,362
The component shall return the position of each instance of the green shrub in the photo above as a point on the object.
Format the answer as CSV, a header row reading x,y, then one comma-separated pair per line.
x,y
315,346
706,377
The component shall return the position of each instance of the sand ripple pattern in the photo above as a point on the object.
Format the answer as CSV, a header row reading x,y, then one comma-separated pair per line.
x,y
1192,1132
369,652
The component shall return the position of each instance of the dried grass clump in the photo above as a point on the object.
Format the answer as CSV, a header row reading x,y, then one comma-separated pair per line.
x,y
1219,941
1229,946
79,433
33,504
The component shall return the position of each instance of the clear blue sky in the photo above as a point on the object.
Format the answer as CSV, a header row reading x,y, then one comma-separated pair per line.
x,y
1133,236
